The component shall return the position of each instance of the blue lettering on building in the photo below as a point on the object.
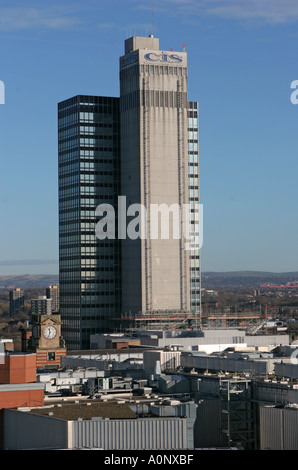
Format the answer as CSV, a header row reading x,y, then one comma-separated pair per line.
x,y
155,57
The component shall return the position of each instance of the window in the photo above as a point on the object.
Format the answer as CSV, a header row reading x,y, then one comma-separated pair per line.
x,y
51,356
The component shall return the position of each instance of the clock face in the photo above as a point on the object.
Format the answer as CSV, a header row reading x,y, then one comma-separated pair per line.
x,y
50,332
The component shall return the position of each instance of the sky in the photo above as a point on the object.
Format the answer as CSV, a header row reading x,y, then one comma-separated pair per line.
x,y
242,59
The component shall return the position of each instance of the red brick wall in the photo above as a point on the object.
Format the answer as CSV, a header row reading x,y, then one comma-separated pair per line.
x,y
4,372
42,357
18,369
14,399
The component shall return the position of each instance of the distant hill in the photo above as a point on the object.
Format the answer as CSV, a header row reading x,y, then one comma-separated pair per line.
x,y
251,279
28,281
210,280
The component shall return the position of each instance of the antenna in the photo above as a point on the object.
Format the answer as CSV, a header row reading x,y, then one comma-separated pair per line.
x,y
152,17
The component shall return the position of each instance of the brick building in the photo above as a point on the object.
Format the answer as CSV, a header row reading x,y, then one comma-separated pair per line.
x,y
18,386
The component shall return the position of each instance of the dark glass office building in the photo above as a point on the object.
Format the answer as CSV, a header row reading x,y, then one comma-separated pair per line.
x,y
89,175
194,201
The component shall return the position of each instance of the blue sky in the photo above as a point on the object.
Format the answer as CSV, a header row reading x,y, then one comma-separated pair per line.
x,y
242,58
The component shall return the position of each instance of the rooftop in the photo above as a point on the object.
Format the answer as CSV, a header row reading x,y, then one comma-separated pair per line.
x,y
86,409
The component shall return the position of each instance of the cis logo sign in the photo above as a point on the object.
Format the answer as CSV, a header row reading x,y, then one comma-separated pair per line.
x,y
162,57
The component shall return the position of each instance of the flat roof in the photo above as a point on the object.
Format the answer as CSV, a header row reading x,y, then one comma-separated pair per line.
x,y
86,409
98,352
18,353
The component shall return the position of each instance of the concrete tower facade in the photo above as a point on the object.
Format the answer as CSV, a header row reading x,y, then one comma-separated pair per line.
x,y
154,171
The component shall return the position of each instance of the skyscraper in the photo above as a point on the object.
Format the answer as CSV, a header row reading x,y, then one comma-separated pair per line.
x,y
159,168
194,202
144,148
52,292
89,269
16,300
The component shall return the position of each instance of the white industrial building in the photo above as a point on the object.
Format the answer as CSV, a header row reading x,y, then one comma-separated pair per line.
x,y
207,340
47,432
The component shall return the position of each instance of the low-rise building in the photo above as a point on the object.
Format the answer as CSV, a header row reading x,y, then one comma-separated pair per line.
x,y
18,385
90,425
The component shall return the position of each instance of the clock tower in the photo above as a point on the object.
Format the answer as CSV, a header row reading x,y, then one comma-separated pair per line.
x,y
46,340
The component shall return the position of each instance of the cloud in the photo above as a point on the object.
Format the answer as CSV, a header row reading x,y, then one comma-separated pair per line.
x,y
268,11
17,18
108,26
265,11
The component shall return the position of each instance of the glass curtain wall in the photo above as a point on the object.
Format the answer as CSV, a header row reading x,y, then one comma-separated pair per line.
x,y
89,175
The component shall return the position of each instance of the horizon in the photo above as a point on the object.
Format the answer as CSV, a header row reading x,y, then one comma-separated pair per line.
x,y
203,272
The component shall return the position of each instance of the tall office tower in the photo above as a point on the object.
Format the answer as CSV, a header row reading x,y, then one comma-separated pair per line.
x,y
16,300
89,268
143,147
52,292
158,275
195,211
